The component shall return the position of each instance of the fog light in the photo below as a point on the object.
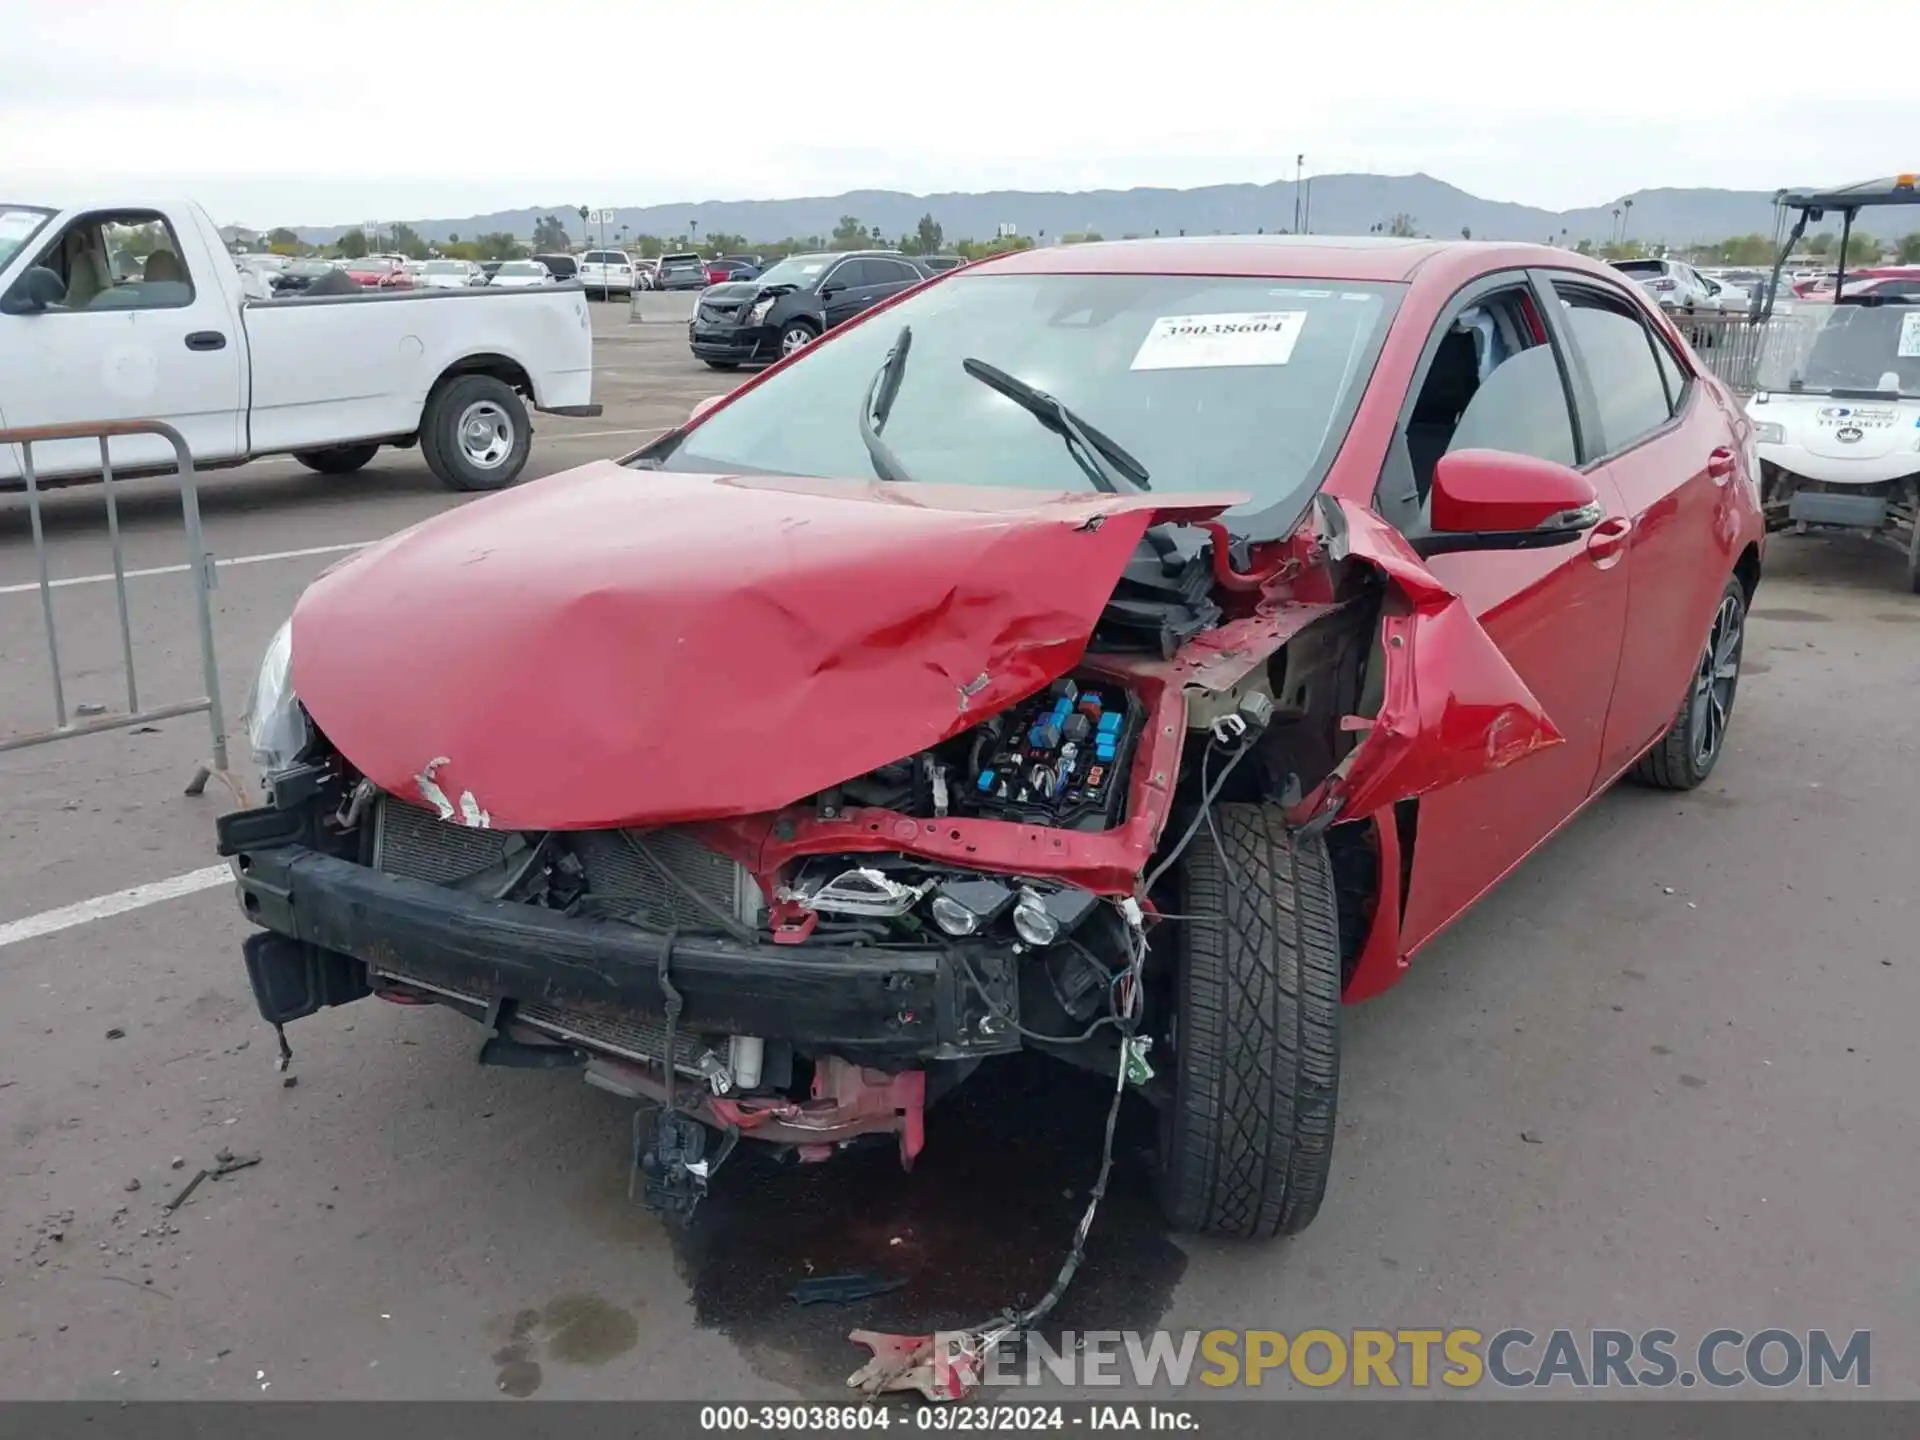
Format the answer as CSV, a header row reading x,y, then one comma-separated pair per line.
x,y
953,917
965,907
1032,922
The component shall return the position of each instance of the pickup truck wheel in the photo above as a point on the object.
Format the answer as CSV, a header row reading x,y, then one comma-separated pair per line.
x,y
337,459
1687,753
1247,1143
475,434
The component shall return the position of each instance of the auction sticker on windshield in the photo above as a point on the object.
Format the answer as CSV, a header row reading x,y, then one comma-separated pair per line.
x,y
1202,342
1910,337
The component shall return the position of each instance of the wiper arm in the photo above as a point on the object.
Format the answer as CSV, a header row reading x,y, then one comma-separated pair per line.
x,y
1087,445
877,405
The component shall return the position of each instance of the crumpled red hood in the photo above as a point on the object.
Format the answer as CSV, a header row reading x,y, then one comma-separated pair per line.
x,y
613,647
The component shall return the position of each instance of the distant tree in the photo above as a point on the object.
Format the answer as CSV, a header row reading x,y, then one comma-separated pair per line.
x,y
549,234
1081,237
1401,225
453,238
1466,232
280,235
1585,247
408,242
1862,249
353,244
498,245
1819,244
927,235
850,233
1907,248
648,245
582,211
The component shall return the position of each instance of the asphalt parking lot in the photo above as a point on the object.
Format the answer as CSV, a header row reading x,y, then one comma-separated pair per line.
x,y
1663,1077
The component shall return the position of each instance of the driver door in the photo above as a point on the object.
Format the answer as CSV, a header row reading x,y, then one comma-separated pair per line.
x,y
1494,376
852,295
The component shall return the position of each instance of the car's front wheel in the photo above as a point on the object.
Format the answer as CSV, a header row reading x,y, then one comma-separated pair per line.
x,y
1246,1143
1687,753
797,335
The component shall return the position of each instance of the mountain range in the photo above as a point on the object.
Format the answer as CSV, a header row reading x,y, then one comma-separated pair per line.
x,y
1338,204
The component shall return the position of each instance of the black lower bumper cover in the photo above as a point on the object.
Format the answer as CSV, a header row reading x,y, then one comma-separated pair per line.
x,y
329,919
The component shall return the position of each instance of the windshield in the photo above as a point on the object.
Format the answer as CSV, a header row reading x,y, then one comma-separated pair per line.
x,y
521,267
445,267
799,270
1818,350
1641,267
1213,383
18,225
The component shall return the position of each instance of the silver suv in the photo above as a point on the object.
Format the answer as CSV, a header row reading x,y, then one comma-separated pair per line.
x,y
1677,286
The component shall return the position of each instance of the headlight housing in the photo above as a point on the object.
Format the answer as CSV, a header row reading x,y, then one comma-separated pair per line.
x,y
277,728
1769,432
758,314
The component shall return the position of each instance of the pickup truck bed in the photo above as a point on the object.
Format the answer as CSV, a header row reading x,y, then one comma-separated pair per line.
x,y
329,379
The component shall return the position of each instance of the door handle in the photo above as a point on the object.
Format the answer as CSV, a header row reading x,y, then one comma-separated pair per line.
x,y
1607,541
1720,465
206,340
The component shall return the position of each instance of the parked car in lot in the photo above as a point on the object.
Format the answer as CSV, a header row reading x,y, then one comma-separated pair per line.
x,y
520,275
939,263
297,275
732,267
561,267
379,274
645,272
450,275
684,271
607,273
328,382
1150,646
1675,285
793,304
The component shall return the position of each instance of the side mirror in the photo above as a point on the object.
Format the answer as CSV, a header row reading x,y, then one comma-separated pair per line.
x,y
1495,500
37,290
831,289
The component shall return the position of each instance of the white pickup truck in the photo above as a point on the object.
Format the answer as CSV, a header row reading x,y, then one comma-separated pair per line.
x,y
136,312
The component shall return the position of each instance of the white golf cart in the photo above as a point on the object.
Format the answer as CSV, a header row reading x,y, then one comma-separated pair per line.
x,y
1836,403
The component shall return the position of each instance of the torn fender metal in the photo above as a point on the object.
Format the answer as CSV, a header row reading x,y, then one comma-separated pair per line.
x,y
611,647
1452,707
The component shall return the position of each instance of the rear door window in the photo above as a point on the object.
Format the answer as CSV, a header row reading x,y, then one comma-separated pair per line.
x,y
1629,387
850,273
889,272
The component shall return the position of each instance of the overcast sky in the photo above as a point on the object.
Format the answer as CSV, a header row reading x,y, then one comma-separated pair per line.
x,y
348,110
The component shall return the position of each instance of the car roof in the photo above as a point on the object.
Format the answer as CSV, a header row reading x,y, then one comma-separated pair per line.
x,y
1292,257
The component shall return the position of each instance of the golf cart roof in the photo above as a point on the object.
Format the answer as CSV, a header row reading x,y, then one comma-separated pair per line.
x,y
1894,190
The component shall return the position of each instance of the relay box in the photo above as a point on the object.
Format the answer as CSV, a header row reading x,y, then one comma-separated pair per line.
x,y
1060,758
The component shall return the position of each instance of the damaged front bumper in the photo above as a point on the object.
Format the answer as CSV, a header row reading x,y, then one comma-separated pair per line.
x,y
337,930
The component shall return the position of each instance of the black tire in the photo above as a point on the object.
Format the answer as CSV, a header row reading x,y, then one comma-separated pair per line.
x,y
1687,753
1247,1144
472,399
723,364
337,459
797,335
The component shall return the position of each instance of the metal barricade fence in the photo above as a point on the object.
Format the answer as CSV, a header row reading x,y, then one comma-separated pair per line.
x,y
1734,346
200,565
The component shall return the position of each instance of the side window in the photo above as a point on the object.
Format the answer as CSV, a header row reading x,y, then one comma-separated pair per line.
x,y
890,272
120,262
1672,372
849,273
1628,383
1491,384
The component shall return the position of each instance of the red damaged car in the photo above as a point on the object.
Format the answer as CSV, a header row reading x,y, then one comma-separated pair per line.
x,y
1130,651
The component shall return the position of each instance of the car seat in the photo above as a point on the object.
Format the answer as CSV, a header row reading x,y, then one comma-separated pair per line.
x,y
1451,381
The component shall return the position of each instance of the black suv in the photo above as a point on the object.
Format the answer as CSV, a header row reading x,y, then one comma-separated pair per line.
x,y
794,303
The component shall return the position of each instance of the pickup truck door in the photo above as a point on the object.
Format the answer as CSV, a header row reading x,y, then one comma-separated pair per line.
x,y
140,346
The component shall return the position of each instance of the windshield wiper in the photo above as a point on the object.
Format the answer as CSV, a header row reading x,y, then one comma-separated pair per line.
x,y
878,405
1087,445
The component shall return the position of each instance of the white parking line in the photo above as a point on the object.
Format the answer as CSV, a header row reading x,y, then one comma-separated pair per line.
x,y
49,922
268,557
604,434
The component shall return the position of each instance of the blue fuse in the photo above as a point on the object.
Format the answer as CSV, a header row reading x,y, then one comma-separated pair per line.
x,y
986,781
1110,722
